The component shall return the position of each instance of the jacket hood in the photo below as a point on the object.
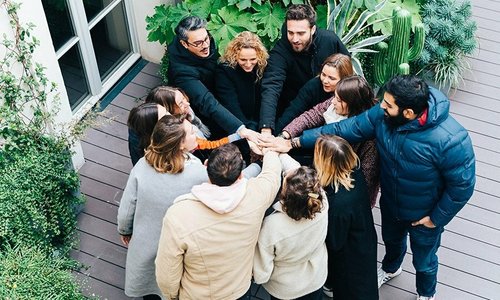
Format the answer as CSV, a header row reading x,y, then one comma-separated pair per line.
x,y
437,112
182,55
221,199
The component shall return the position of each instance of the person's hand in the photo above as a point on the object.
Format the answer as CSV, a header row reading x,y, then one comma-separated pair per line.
x,y
286,135
266,131
250,135
277,144
125,239
255,149
426,221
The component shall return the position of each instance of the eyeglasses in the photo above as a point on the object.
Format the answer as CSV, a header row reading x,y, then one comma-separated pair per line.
x,y
199,44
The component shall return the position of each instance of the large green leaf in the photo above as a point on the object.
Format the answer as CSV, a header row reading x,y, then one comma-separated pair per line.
x,y
322,16
385,27
269,20
197,7
157,23
359,25
225,25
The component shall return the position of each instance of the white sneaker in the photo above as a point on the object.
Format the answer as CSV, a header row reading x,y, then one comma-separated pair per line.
x,y
328,292
425,298
383,276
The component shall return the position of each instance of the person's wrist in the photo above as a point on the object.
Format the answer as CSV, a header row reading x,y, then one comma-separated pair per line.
x,y
266,131
295,143
286,135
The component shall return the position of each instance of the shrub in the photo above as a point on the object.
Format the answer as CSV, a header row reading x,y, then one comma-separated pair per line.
x,y
37,201
450,36
28,273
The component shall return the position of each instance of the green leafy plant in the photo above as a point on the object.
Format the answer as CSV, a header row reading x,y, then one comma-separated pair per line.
x,y
348,19
450,37
382,20
28,273
225,19
37,182
393,59
227,23
37,203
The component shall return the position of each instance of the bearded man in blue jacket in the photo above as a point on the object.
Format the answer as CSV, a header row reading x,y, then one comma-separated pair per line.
x,y
427,171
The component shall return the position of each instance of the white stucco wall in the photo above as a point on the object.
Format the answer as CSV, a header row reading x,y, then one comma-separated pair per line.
x,y
45,55
151,51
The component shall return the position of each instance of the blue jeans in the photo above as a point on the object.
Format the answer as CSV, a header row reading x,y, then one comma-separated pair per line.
x,y
424,243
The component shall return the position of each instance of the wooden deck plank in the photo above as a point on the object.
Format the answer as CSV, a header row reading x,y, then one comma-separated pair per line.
x,y
474,112
126,102
112,127
99,227
458,243
136,90
489,90
145,79
110,142
472,98
486,13
484,66
101,209
109,159
102,249
450,285
152,69
100,190
481,77
92,287
118,114
488,4
104,174
99,269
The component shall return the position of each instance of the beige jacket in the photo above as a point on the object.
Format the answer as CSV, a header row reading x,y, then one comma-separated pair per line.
x,y
291,258
205,254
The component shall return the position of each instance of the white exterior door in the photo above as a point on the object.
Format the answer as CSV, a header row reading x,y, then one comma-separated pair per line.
x,y
95,44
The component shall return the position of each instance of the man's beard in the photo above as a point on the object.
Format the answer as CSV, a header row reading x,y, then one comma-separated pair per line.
x,y
306,46
395,121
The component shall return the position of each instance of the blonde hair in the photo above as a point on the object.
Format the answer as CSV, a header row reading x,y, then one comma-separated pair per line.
x,y
164,153
246,39
335,160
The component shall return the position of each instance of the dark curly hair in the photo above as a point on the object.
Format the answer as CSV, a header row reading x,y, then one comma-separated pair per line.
x,y
301,196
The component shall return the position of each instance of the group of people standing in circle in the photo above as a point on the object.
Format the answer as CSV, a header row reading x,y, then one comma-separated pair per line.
x,y
300,224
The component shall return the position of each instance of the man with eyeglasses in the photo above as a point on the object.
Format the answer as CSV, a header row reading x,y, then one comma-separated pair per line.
x,y
192,59
295,59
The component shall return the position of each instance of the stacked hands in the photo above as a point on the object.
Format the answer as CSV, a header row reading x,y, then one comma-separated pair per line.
x,y
261,143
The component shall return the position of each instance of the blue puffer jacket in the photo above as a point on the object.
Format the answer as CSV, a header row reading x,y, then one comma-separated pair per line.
x,y
426,170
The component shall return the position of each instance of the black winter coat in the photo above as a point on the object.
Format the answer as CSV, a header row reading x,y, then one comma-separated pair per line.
x,y
239,92
287,71
309,95
196,76
351,242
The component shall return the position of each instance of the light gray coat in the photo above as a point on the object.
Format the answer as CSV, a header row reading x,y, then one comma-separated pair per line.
x,y
145,200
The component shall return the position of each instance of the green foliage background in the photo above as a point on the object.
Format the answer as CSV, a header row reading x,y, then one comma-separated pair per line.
x,y
37,181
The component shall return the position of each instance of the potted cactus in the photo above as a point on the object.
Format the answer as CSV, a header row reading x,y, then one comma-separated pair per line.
x,y
393,57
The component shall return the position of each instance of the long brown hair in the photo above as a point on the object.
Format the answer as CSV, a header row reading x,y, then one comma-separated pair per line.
x,y
165,96
341,62
357,93
164,153
301,196
335,160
